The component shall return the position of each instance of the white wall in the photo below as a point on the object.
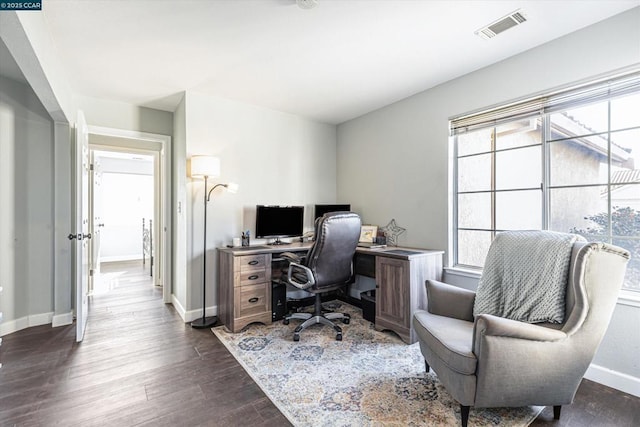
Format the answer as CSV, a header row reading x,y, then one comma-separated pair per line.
x,y
276,158
407,143
180,292
127,199
126,192
26,208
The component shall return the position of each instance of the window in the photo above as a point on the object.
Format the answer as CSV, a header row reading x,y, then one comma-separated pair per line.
x,y
567,161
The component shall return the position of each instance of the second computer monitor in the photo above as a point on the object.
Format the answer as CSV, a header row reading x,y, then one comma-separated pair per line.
x,y
320,210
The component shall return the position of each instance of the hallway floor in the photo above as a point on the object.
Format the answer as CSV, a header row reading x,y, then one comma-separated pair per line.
x,y
139,364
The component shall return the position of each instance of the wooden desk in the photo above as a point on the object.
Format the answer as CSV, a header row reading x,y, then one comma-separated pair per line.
x,y
244,283
400,275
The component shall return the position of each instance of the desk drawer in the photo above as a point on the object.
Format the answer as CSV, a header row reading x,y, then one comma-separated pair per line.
x,y
251,300
252,262
253,277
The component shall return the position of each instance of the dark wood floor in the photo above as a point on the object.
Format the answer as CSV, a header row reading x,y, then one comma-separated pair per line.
x,y
141,365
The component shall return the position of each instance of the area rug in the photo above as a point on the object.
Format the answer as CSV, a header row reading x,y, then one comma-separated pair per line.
x,y
369,378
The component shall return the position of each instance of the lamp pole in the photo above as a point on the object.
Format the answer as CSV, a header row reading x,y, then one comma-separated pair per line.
x,y
205,322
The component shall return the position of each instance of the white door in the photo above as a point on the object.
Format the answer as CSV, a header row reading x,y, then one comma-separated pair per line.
x,y
82,224
95,219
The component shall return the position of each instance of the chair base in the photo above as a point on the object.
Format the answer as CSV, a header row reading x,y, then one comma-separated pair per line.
x,y
317,317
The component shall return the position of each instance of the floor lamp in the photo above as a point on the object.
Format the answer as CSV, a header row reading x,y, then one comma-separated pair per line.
x,y
207,167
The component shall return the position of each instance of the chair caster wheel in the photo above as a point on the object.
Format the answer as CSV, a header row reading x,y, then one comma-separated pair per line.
x,y
338,337
346,320
285,321
296,337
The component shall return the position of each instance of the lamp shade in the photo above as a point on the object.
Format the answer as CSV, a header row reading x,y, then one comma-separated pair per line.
x,y
232,187
202,166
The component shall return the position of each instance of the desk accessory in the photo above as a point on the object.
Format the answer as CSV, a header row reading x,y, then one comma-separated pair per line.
x,y
205,167
368,233
392,231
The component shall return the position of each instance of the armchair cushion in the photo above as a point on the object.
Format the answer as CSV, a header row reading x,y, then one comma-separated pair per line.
x,y
448,338
535,293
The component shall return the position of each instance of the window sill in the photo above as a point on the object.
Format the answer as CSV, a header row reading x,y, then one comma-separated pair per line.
x,y
471,273
629,298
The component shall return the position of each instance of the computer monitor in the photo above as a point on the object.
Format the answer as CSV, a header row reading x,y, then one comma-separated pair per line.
x,y
323,209
274,222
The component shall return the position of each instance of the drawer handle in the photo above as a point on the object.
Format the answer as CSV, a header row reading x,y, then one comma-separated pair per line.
x,y
253,300
253,277
254,262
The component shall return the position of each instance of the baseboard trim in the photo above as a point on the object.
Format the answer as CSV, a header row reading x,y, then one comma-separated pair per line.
x,y
191,315
614,379
178,307
11,326
120,258
62,319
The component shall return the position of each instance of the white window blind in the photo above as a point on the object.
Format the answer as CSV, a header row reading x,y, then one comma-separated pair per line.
x,y
610,87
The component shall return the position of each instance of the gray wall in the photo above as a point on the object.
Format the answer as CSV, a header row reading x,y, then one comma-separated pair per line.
x,y
26,206
394,162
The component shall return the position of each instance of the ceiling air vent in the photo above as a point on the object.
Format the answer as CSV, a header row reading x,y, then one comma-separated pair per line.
x,y
502,24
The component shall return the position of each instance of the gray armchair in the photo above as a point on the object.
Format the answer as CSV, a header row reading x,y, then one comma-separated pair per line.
x,y
327,267
491,361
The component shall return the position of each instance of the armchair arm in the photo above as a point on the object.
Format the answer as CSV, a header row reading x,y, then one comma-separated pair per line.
x,y
490,325
450,301
527,363
297,273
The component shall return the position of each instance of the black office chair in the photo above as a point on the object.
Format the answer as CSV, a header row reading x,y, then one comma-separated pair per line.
x,y
327,267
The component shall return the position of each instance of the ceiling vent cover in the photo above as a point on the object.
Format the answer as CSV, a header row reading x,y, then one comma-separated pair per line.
x,y
501,25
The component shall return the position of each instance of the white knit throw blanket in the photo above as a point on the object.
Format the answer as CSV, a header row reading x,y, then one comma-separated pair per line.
x,y
525,276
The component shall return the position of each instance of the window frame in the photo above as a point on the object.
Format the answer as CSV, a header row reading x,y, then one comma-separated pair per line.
x,y
540,107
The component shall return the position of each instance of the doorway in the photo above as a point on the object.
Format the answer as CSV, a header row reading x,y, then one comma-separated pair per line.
x,y
130,218
122,218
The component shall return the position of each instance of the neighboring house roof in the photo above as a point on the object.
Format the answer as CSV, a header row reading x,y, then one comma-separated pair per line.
x,y
621,179
566,126
625,176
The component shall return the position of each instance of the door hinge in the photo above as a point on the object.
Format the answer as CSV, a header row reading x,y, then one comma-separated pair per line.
x,y
91,167
91,272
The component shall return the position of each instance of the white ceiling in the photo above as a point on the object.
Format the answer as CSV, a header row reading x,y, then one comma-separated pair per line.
x,y
331,63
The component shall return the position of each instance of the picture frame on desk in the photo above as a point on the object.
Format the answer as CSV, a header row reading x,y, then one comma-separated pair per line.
x,y
368,233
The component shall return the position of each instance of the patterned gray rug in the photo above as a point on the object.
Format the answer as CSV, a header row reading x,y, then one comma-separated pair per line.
x,y
369,378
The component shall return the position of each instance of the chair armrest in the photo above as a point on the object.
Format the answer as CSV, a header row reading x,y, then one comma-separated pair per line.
x,y
494,326
522,363
450,301
297,272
